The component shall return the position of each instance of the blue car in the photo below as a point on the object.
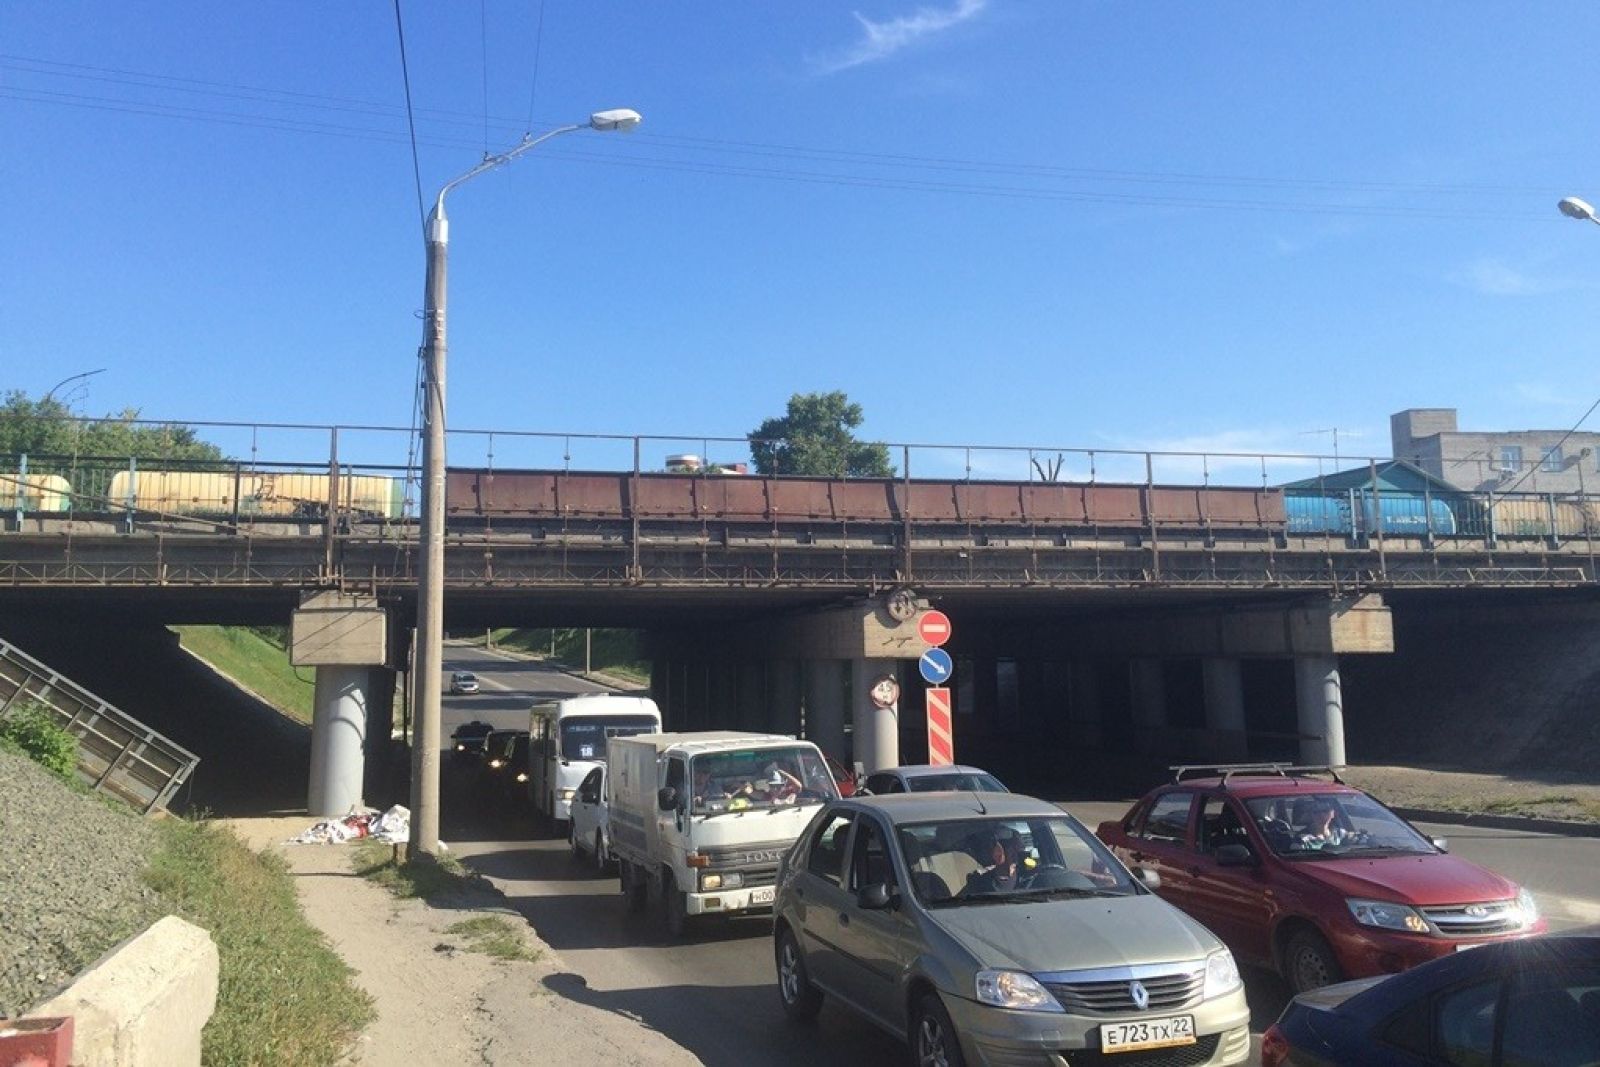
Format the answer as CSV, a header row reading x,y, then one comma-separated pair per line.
x,y
1534,1001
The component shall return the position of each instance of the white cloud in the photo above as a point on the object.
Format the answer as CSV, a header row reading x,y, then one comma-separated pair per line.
x,y
1492,277
880,40
1544,395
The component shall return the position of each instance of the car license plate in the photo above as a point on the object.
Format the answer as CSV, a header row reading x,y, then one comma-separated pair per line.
x,y
1147,1033
761,896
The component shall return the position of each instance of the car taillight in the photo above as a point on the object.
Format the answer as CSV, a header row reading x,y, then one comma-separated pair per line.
x,y
1274,1047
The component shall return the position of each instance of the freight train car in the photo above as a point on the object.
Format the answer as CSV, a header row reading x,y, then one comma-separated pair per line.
x,y
253,493
34,492
526,495
1354,511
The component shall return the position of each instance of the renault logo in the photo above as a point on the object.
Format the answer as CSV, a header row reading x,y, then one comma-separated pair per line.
x,y
1140,995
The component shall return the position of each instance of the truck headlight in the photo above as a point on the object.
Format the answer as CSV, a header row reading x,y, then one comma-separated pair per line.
x,y
1015,990
1527,907
565,794
497,763
1387,916
522,776
1222,975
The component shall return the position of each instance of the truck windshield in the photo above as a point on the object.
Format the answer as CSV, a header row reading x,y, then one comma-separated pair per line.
x,y
748,779
584,736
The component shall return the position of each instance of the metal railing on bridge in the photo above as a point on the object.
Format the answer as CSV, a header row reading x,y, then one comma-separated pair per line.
x,y
117,754
286,479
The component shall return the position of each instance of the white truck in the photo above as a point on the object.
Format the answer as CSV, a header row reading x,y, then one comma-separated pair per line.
x,y
699,821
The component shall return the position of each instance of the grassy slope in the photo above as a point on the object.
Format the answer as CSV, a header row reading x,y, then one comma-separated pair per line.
x,y
255,662
284,997
614,652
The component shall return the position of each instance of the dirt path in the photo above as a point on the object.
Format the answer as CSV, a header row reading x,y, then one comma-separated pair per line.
x,y
437,1002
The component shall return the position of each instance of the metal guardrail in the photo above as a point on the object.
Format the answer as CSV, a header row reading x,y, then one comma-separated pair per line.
x,y
117,754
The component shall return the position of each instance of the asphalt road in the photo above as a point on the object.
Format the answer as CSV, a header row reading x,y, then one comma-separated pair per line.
x,y
714,991
508,685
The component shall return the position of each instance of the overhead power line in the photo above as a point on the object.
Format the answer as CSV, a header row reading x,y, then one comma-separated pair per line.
x,y
822,166
411,122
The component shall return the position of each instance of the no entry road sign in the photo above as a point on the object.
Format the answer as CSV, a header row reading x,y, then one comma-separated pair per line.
x,y
936,666
934,628
941,735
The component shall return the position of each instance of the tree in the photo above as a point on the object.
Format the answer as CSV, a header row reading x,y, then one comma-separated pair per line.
x,y
47,427
814,437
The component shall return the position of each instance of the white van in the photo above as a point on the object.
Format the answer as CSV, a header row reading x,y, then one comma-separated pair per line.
x,y
567,739
699,821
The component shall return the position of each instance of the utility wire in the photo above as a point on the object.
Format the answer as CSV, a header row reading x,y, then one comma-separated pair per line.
x,y
635,161
483,64
411,122
780,150
533,83
1533,467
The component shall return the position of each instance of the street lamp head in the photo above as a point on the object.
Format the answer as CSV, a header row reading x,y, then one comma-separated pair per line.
x,y
618,118
1573,208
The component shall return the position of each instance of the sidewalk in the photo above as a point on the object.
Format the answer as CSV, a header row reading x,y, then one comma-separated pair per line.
x,y
437,1002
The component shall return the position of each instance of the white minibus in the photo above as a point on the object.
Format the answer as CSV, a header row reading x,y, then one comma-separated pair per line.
x,y
567,739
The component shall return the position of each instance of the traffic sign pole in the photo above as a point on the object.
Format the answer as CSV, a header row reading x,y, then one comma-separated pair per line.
x,y
941,728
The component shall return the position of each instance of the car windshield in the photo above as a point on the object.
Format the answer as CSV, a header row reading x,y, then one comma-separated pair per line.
x,y
465,677
961,781
974,861
748,779
1325,825
584,736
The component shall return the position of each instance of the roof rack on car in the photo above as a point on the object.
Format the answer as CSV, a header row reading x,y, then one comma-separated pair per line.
x,y
1228,770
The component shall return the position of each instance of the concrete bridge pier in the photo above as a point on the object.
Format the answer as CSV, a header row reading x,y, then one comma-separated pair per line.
x,y
1083,706
338,741
1224,701
343,637
786,696
1148,680
1320,707
825,684
876,730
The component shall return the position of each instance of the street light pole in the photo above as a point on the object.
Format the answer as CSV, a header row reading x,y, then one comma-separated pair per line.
x,y
429,656
70,378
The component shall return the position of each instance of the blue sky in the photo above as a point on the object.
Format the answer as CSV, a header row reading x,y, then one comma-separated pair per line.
x,y
1082,224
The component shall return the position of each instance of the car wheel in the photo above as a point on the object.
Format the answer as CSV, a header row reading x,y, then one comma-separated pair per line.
x,y
677,907
933,1035
600,863
1309,962
801,999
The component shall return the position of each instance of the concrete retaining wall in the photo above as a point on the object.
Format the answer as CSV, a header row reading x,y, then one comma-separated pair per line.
x,y
146,1002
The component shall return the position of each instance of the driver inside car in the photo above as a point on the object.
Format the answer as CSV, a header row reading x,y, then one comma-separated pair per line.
x,y
1006,864
1319,830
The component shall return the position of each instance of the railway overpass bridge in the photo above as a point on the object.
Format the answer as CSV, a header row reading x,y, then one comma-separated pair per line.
x,y
1180,620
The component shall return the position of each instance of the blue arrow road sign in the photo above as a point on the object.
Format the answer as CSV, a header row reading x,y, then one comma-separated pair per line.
x,y
936,666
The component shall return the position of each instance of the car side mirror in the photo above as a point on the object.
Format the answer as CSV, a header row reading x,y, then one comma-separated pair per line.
x,y
1148,878
875,897
1235,856
667,798
1441,843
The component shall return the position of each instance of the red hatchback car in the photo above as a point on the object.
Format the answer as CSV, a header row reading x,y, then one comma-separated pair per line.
x,y
1312,877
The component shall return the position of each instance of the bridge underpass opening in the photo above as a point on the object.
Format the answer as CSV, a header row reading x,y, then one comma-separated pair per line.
x,y
1049,688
